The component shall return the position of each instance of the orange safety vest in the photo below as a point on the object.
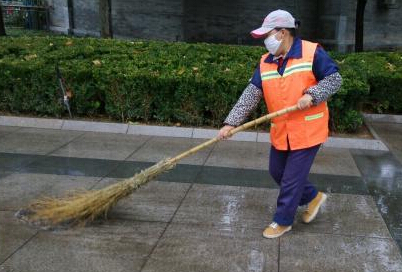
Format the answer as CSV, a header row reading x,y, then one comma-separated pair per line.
x,y
303,128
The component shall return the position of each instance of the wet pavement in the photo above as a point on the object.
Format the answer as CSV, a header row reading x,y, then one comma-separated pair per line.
x,y
383,176
207,214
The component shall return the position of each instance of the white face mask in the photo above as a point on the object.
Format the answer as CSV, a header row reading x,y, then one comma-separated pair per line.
x,y
272,44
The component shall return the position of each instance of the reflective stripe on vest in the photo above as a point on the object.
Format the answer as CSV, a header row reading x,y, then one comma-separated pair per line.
x,y
301,67
313,117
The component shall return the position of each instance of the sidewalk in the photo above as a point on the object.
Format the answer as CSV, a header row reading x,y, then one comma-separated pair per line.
x,y
166,131
205,215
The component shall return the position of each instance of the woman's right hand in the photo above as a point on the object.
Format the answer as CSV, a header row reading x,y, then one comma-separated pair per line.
x,y
223,132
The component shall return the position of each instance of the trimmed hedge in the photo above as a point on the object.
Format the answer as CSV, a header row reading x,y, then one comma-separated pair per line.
x,y
149,81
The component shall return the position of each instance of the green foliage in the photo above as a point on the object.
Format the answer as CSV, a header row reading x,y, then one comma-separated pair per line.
x,y
194,84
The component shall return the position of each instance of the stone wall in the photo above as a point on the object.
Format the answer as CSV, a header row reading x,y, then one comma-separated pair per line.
x,y
331,23
156,19
86,17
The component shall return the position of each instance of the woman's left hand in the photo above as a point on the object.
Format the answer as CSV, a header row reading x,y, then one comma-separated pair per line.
x,y
305,102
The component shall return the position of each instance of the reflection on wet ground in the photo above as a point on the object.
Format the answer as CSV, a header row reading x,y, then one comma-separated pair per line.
x,y
382,173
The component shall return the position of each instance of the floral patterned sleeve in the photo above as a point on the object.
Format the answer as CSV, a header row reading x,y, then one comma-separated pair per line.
x,y
247,102
326,87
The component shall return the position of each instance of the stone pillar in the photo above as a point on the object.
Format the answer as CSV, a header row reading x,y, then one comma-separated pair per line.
x,y
60,16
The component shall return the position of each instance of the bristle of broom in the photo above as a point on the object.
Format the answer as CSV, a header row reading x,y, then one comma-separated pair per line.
x,y
85,206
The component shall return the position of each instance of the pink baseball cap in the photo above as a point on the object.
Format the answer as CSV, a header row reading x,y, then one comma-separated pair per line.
x,y
278,18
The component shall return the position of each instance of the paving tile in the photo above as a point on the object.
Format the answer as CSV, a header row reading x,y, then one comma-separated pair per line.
x,y
323,252
355,215
160,131
4,130
111,246
18,190
13,234
72,166
262,179
202,133
111,146
244,155
364,144
31,122
236,177
36,141
387,118
389,208
384,186
377,164
14,162
335,161
94,126
155,201
212,133
339,184
159,148
63,184
180,173
4,174
244,136
263,137
391,134
383,175
201,248
127,169
227,206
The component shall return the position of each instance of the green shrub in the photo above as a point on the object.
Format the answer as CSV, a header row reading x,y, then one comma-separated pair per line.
x,y
193,84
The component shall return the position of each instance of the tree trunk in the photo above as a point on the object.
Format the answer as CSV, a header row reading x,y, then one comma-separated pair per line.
x,y
105,7
2,28
359,31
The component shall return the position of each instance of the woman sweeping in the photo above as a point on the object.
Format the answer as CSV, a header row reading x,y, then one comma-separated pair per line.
x,y
294,71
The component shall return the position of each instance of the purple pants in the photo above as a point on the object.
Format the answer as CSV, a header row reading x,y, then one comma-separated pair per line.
x,y
290,170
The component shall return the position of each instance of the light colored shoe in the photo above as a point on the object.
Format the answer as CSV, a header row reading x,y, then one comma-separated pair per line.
x,y
312,208
274,230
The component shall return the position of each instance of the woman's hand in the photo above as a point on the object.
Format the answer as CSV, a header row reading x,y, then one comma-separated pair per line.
x,y
305,102
223,132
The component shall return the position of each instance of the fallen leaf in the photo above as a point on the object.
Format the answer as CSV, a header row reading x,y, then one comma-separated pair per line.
x,y
181,71
30,57
390,67
340,61
97,62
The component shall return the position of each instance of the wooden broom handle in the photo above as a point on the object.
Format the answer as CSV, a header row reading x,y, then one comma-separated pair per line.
x,y
233,131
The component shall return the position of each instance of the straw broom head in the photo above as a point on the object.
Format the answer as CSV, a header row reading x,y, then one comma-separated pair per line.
x,y
81,207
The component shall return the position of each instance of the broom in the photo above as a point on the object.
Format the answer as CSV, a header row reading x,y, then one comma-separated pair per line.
x,y
81,207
